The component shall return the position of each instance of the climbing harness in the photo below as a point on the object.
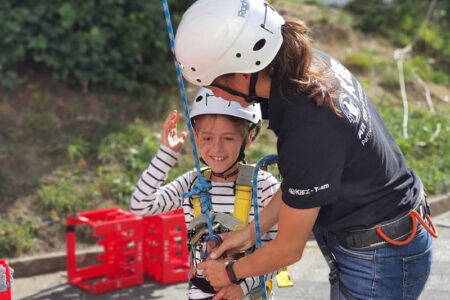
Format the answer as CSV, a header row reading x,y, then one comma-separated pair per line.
x,y
399,231
202,186
198,241
320,234
391,232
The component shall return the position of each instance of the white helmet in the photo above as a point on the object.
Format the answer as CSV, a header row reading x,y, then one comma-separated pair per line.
x,y
217,37
206,103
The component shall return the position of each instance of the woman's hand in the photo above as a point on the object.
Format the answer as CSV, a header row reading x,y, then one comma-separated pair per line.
x,y
230,292
169,137
214,271
234,242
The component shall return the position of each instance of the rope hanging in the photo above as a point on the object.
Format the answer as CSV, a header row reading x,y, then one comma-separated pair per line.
x,y
263,163
202,186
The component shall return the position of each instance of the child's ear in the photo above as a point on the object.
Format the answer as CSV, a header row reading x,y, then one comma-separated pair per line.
x,y
249,140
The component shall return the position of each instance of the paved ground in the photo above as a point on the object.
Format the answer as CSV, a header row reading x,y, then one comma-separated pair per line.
x,y
309,276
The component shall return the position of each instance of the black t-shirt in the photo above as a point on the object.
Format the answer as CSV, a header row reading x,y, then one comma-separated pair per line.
x,y
350,165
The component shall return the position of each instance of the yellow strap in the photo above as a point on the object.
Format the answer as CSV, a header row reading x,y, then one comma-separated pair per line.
x,y
242,203
284,279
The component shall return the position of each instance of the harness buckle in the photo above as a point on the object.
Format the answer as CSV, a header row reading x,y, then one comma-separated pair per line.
x,y
333,276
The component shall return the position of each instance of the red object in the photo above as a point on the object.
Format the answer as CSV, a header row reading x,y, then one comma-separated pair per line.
x,y
6,294
414,218
121,235
166,258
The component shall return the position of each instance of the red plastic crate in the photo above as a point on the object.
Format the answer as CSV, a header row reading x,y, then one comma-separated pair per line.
x,y
166,258
5,277
121,235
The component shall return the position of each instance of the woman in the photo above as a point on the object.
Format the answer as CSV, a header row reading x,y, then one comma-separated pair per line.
x,y
342,170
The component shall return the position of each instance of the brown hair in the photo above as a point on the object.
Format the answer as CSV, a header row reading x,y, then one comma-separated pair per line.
x,y
294,66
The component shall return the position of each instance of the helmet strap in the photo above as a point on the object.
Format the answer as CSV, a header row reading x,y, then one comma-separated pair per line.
x,y
251,97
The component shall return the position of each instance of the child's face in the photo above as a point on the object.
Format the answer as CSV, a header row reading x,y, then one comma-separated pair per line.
x,y
219,141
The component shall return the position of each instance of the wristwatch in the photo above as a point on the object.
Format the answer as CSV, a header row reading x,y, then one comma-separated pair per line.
x,y
230,272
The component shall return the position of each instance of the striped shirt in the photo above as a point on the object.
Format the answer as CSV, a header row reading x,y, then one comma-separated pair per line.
x,y
151,197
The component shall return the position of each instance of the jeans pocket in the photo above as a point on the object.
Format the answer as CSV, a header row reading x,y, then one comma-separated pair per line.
x,y
362,254
416,270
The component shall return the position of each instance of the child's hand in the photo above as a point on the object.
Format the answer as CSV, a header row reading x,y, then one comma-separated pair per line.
x,y
169,135
231,292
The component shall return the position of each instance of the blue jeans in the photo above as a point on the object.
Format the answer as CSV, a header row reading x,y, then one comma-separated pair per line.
x,y
391,272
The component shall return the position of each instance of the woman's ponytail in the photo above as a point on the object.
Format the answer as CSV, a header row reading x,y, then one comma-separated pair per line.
x,y
294,65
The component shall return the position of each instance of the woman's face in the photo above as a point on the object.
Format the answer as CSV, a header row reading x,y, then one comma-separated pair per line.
x,y
219,141
238,82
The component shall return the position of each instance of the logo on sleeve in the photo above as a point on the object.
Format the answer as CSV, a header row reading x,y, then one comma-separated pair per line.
x,y
302,192
350,109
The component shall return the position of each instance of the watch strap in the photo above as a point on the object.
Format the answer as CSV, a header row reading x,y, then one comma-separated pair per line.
x,y
230,272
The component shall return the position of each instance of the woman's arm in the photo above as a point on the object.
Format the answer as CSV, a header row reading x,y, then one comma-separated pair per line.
x,y
294,227
240,240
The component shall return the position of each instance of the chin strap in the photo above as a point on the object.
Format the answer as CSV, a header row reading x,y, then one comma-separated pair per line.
x,y
251,97
222,175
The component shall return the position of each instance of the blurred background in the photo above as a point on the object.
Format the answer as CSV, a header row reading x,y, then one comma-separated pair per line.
x,y
85,86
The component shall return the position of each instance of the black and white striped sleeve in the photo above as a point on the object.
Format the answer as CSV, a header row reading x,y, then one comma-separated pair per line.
x,y
149,196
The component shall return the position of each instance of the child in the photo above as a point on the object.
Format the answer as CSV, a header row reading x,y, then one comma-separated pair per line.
x,y
223,130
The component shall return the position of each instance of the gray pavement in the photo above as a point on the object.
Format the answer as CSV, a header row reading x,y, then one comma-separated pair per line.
x,y
309,277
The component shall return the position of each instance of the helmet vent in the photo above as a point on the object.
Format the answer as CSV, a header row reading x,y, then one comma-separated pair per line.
x,y
259,44
198,80
238,55
257,62
193,69
199,98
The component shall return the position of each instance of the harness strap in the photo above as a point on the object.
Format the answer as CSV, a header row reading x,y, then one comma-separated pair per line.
x,y
335,282
243,196
398,231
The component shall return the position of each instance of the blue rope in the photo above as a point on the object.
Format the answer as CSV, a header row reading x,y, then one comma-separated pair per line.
x,y
262,163
202,186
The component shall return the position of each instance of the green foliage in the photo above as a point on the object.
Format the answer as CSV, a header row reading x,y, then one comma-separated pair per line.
x,y
263,145
389,76
107,43
429,159
400,21
77,149
65,192
16,237
3,183
124,155
360,61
